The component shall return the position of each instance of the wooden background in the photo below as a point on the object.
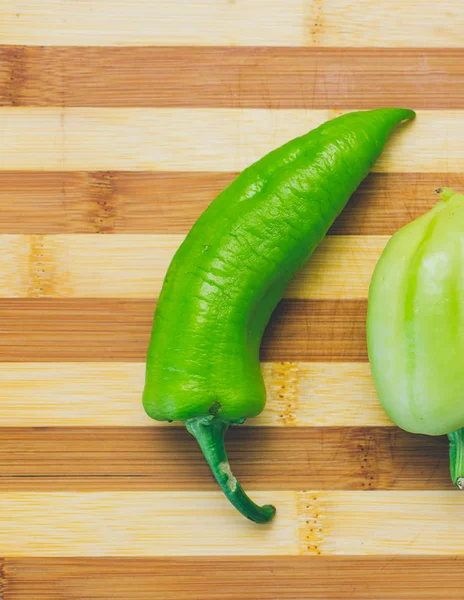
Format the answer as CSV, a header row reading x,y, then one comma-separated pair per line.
x,y
120,121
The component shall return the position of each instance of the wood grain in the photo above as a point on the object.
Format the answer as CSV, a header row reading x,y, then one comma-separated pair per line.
x,y
134,266
105,202
201,139
126,119
256,77
359,523
101,459
242,22
140,524
109,394
95,330
164,202
219,578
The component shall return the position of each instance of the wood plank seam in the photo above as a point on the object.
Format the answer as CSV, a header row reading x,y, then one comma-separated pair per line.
x,y
311,524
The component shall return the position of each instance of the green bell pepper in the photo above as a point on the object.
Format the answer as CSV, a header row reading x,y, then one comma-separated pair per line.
x,y
415,326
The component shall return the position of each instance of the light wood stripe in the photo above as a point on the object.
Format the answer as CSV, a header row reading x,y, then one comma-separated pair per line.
x,y
105,329
103,459
109,394
356,523
134,266
128,118
151,202
173,139
140,524
242,22
272,78
266,578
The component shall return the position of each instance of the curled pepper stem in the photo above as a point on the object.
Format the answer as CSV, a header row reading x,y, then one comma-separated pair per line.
x,y
209,432
456,452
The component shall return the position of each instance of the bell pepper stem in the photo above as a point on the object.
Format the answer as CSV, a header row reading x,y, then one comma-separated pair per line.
x,y
209,432
456,452
445,193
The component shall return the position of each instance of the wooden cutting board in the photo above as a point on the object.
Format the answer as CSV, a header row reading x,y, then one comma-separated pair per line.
x,y
120,122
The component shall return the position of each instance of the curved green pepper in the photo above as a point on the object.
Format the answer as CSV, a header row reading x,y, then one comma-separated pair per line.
x,y
230,272
415,326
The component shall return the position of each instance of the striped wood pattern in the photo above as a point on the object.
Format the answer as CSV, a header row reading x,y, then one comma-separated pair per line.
x,y
374,458
271,78
195,139
392,23
144,202
309,523
133,266
299,395
112,329
213,578
120,123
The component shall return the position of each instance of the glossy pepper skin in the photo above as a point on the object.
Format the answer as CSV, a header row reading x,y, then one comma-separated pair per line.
x,y
230,272
415,326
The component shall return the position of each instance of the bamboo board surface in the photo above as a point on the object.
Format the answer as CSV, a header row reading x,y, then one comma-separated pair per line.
x,y
120,122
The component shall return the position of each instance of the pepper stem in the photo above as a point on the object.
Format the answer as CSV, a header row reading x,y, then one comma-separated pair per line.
x,y
209,432
445,193
456,452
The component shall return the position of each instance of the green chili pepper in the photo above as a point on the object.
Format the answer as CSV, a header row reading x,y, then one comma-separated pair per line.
x,y
230,272
415,326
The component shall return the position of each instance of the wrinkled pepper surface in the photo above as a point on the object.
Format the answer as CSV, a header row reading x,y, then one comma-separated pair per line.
x,y
230,272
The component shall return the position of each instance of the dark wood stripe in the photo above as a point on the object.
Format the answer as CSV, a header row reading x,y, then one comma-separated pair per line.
x,y
97,329
263,458
385,202
250,578
124,202
105,202
258,77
